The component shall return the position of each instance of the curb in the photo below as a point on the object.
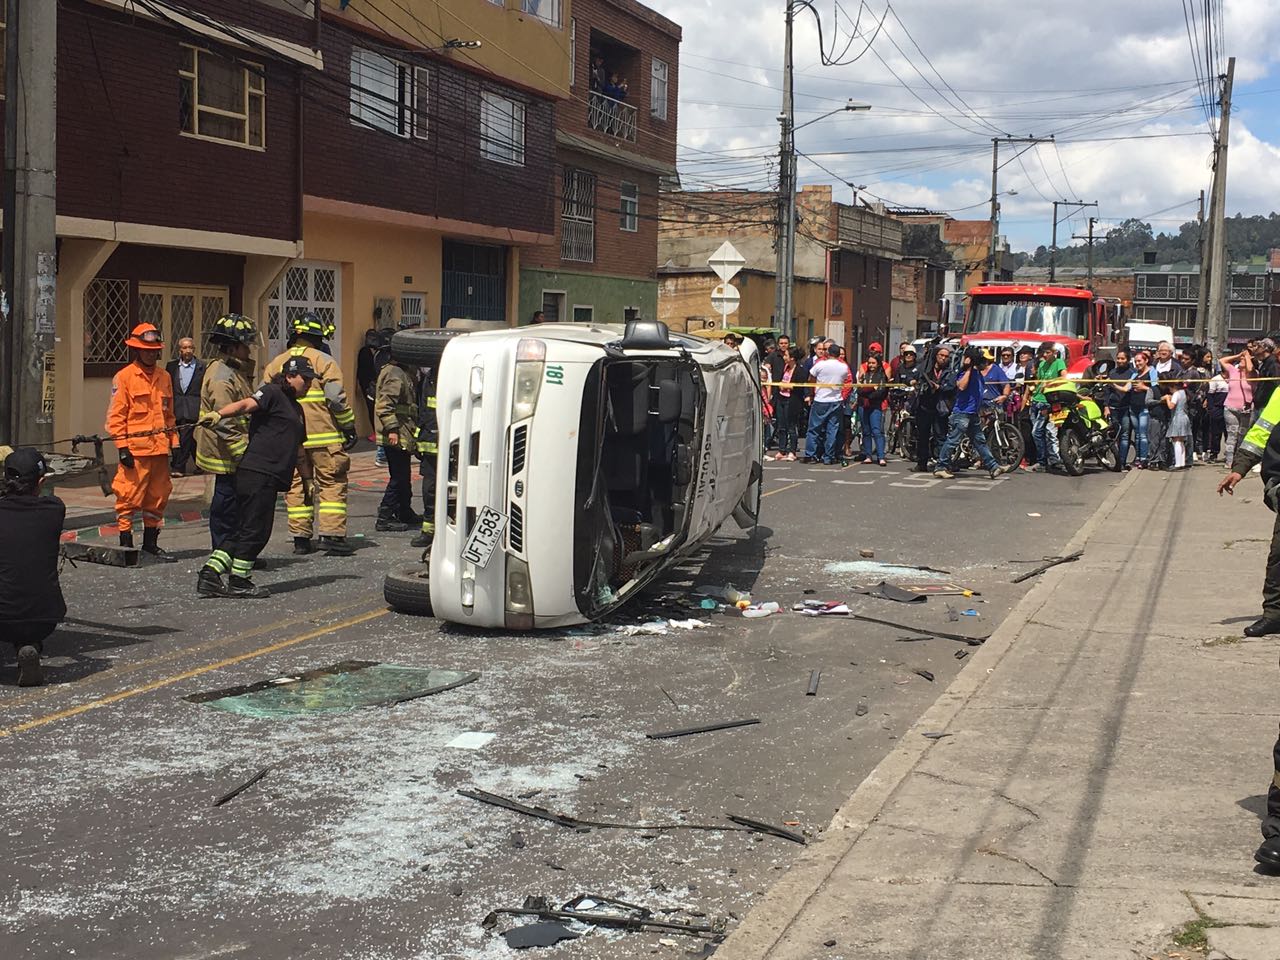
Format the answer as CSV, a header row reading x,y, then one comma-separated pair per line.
x,y
768,922
100,531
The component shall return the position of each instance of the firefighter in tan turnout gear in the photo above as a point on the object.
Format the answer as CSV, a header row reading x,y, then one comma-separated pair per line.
x,y
396,413
331,431
219,448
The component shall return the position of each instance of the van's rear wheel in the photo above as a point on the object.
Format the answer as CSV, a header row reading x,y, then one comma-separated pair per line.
x,y
408,590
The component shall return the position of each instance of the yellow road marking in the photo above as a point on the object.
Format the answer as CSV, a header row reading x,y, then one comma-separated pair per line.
x,y
188,674
117,672
789,486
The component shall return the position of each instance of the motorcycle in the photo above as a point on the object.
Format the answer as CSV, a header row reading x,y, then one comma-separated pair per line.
x,y
1083,431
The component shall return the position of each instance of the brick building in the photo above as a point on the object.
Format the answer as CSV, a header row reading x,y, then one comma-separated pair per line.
x,y
845,252
615,141
277,156
178,178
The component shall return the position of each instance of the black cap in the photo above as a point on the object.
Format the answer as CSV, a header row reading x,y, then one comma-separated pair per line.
x,y
299,367
25,463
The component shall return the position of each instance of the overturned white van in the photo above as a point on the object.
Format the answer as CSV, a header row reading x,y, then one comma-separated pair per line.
x,y
577,462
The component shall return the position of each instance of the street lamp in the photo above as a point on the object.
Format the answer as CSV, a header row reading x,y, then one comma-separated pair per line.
x,y
784,272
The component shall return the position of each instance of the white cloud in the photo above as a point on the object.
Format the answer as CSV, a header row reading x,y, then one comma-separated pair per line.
x,y
1082,72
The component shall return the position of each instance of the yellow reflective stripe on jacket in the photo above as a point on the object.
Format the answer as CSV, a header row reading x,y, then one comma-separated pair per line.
x,y
426,446
346,417
431,403
212,465
322,440
332,507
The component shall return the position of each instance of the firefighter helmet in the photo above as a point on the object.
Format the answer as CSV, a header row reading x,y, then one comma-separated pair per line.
x,y
309,324
233,328
144,336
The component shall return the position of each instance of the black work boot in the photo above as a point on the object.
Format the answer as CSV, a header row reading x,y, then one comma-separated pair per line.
x,y
126,538
1268,855
336,546
245,588
152,548
209,583
303,546
411,518
1262,627
387,523
30,673
422,540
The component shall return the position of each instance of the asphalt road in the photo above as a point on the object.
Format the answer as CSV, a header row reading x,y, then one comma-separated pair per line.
x,y
356,843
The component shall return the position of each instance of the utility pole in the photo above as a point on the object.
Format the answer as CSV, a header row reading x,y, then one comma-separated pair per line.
x,y
1206,259
1088,238
27,312
1053,248
1219,309
995,190
784,271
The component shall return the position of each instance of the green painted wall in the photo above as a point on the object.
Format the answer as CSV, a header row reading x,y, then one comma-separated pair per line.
x,y
609,296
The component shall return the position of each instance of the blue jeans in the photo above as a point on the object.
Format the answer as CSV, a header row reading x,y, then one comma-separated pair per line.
x,y
961,424
824,431
1135,421
872,421
1045,435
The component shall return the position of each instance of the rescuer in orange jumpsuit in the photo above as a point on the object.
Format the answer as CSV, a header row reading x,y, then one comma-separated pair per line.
x,y
140,420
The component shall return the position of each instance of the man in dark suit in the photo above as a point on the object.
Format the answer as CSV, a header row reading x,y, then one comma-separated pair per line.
x,y
187,374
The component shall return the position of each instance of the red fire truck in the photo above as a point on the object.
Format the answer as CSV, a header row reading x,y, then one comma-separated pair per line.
x,y
1074,318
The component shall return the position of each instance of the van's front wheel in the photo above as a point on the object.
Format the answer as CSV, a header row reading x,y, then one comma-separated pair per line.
x,y
408,590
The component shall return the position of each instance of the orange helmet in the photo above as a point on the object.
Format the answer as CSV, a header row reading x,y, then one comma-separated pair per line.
x,y
144,336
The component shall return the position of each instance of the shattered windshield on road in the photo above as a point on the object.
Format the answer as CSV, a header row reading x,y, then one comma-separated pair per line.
x,y
1015,314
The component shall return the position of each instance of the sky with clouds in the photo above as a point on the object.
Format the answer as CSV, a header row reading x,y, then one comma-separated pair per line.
x,y
1114,83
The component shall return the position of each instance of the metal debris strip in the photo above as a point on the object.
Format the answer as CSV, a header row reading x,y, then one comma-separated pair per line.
x,y
708,728
236,791
761,827
583,826
814,677
632,917
337,688
926,631
104,553
1053,562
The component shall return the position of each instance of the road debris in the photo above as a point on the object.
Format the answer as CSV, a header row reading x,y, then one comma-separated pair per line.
x,y
471,740
968,613
868,569
953,614
236,791
585,826
866,554
604,912
926,674
821,608
669,697
861,709
927,631
729,594
106,554
814,677
689,731
543,933
661,627
961,654
758,610
1052,562
337,688
937,736
885,590
768,828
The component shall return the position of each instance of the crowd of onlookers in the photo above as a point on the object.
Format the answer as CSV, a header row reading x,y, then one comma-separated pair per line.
x,y
1170,409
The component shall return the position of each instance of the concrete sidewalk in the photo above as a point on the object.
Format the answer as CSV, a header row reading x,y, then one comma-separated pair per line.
x,y
87,507
1109,757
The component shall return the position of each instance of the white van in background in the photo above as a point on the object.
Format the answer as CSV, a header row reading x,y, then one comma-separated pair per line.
x,y
577,462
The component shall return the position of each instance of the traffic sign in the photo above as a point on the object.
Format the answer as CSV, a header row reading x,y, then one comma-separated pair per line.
x,y
724,298
726,261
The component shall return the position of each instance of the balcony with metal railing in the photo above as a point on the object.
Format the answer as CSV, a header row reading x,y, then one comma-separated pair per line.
x,y
613,118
